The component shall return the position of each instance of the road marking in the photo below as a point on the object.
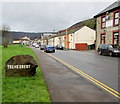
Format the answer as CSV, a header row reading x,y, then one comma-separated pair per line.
x,y
100,84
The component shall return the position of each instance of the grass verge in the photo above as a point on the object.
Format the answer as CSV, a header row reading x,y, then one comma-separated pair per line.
x,y
22,89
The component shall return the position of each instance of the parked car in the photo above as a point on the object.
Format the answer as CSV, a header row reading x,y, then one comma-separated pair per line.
x,y
42,47
37,46
34,44
49,48
59,47
109,49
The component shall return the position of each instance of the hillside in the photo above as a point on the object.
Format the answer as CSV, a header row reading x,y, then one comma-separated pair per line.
x,y
90,23
19,35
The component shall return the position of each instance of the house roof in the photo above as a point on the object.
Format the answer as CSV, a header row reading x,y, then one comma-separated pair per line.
x,y
111,7
25,38
89,23
68,32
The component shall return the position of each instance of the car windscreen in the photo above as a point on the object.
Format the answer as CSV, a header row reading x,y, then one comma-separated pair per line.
x,y
42,45
114,46
59,45
49,46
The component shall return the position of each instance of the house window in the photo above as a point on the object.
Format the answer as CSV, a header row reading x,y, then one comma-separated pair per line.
x,y
116,18
115,38
102,38
103,22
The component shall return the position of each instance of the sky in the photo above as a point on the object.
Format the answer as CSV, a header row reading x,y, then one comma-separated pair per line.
x,y
48,16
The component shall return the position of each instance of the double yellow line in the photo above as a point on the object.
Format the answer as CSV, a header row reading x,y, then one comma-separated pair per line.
x,y
100,84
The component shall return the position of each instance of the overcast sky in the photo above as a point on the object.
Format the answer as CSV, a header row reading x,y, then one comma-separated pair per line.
x,y
48,16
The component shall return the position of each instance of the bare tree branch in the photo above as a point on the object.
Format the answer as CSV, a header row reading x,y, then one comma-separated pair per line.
x,y
5,35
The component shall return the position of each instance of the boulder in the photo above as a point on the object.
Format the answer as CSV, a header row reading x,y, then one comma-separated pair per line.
x,y
20,66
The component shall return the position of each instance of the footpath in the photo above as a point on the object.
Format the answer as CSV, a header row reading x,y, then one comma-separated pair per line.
x,y
66,86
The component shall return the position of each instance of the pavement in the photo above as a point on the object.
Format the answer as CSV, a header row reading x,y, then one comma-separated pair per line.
x,y
66,86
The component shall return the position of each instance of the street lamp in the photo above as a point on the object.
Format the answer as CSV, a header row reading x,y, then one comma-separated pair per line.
x,y
71,41
66,38
53,37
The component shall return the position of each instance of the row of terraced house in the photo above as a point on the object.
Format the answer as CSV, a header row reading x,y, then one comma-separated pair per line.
x,y
78,38
102,29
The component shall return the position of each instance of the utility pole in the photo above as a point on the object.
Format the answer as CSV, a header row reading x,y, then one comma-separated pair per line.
x,y
71,40
53,38
66,39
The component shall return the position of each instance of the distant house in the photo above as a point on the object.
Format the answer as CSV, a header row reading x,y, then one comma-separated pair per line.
x,y
37,40
62,40
108,25
16,41
56,40
25,40
51,41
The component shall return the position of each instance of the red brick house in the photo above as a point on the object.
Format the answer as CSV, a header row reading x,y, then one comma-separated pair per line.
x,y
108,25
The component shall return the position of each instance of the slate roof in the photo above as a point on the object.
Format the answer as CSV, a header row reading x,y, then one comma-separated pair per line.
x,y
111,7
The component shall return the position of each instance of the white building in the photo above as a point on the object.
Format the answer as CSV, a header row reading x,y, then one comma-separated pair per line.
x,y
62,40
56,40
83,35
25,40
51,41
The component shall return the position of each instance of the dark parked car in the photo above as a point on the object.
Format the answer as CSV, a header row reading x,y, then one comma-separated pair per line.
x,y
109,49
59,47
49,48
42,47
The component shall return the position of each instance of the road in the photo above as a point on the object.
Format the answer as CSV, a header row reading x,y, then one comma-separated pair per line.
x,y
102,68
66,86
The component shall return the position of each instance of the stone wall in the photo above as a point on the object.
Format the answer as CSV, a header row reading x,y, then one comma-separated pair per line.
x,y
108,30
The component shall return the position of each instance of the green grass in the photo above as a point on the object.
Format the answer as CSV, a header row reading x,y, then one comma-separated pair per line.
x,y
22,89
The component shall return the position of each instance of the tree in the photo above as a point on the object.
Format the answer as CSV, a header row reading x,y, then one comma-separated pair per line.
x,y
5,35
90,23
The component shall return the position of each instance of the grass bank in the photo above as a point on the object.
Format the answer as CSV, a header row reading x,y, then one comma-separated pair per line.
x,y
22,89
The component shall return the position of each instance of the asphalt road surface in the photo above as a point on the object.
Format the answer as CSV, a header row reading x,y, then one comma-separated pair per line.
x,y
66,86
102,68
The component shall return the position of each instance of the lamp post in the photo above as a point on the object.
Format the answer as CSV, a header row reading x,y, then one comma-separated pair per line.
x,y
53,38
66,39
71,41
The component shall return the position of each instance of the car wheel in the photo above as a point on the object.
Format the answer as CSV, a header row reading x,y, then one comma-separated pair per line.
x,y
100,53
111,54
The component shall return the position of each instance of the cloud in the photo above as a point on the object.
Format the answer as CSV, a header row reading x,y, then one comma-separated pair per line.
x,y
46,16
